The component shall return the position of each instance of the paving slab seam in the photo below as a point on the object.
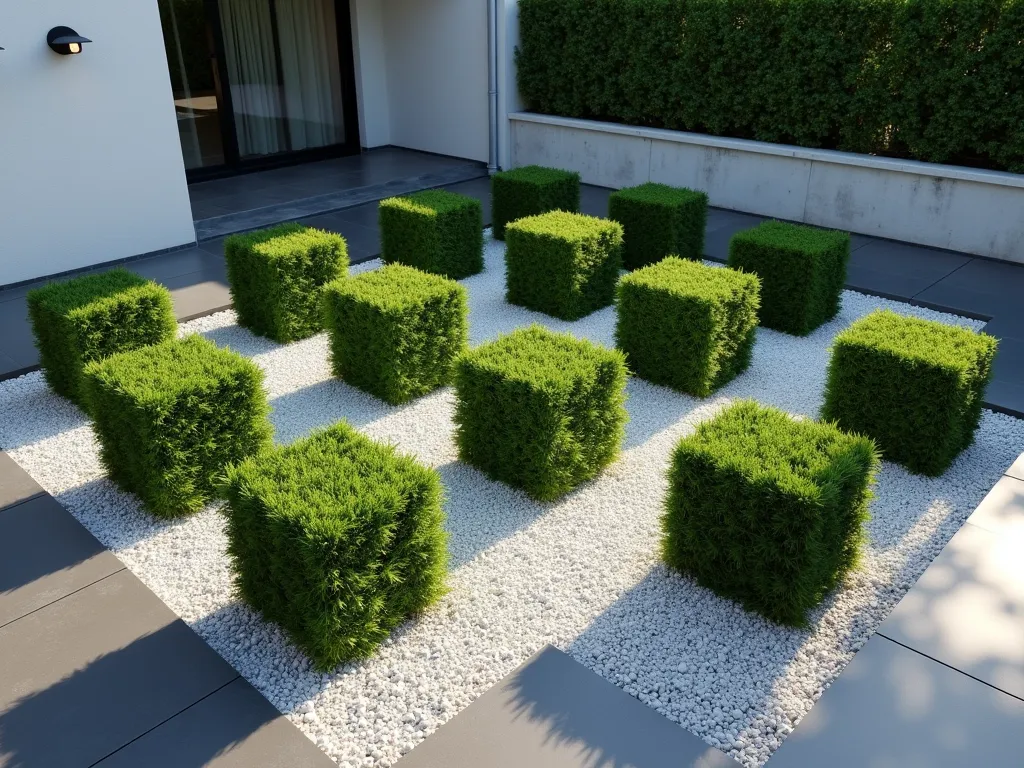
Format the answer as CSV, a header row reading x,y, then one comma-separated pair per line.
x,y
164,722
944,277
69,594
939,661
27,499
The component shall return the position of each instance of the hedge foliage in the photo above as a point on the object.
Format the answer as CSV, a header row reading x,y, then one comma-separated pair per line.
x,y
530,191
336,538
915,386
539,410
686,325
802,271
276,276
658,220
933,80
395,331
435,230
768,510
92,317
169,418
563,264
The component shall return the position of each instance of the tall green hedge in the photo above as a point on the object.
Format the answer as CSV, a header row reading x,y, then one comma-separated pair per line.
x,y
933,80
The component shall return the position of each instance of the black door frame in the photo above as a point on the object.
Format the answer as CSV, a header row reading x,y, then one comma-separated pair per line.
x,y
233,162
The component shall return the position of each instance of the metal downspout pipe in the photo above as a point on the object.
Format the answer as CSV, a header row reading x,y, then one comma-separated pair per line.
x,y
492,82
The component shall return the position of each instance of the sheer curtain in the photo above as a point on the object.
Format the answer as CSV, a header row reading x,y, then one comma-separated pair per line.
x,y
252,72
308,33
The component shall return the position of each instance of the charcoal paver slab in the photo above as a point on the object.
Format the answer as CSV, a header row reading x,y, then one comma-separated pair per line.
x,y
88,674
553,712
45,554
895,708
16,486
967,609
233,728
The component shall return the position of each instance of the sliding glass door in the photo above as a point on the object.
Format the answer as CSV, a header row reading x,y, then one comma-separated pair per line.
x,y
277,84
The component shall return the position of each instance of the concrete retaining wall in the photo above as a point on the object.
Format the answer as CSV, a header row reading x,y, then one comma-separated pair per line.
x,y
963,209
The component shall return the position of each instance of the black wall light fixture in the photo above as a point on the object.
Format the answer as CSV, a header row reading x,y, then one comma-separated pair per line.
x,y
65,41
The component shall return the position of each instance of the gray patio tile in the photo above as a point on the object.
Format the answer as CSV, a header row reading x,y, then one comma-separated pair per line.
x,y
1006,396
16,485
199,293
927,264
894,708
987,287
734,221
16,341
1001,512
594,200
173,264
364,215
553,712
85,675
45,554
1016,470
860,278
967,609
233,728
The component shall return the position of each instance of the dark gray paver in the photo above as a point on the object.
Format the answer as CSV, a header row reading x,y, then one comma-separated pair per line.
x,y
233,728
925,265
983,286
45,554
200,293
895,708
553,712
89,673
967,609
15,484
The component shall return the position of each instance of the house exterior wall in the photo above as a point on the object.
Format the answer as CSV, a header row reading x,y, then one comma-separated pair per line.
x,y
370,55
91,167
436,52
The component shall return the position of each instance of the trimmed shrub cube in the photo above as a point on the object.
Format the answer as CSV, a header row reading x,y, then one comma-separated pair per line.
x,y
395,332
436,231
802,271
686,325
531,191
92,317
336,538
171,417
540,411
657,221
276,277
563,264
915,386
768,510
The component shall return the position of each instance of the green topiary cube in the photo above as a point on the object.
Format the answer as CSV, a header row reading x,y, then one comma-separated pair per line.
x,y
171,417
436,231
540,411
530,191
687,325
395,332
915,386
768,510
658,220
92,317
337,539
276,276
563,264
802,271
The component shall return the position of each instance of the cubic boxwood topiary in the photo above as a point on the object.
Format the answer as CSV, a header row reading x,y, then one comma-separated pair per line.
x,y
169,418
276,276
915,386
435,230
539,410
336,538
395,332
530,191
802,271
768,510
563,264
658,220
92,317
686,325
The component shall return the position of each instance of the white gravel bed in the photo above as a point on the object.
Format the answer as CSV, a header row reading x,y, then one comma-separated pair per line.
x,y
582,573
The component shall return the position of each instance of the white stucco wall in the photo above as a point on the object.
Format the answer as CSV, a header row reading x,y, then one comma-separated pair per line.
x,y
90,161
436,54
371,72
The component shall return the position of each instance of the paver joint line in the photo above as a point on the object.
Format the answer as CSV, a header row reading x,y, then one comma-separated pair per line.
x,y
69,594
